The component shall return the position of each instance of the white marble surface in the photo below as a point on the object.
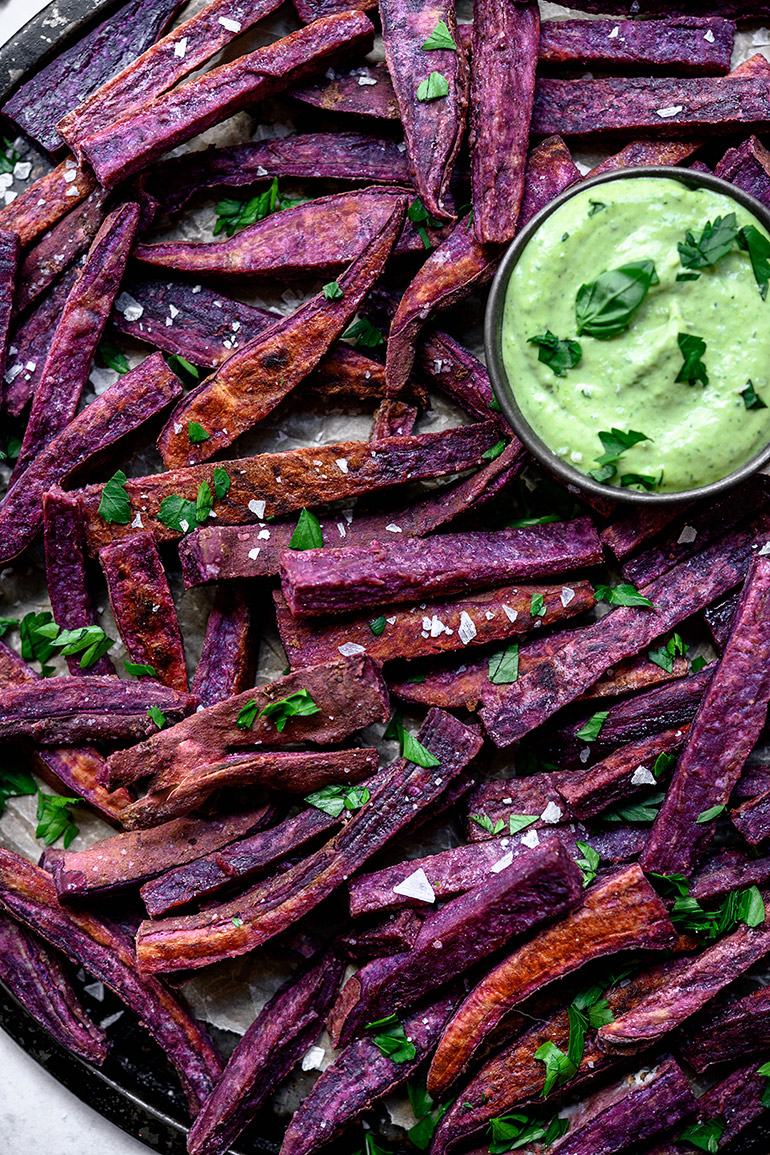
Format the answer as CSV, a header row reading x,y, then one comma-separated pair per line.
x,y
37,1115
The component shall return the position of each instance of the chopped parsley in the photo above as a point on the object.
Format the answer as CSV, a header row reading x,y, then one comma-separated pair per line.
x,y
605,307
588,1011
296,705
751,398
623,594
308,533
486,823
593,727
247,716
364,334
427,1114
588,862
411,749
140,669
15,784
715,242
440,39
332,291
537,607
504,665
8,155
114,505
54,818
182,368
183,515
434,87
234,215
710,814
196,433
596,207
221,483
511,1132
157,716
391,1040
557,354
377,626
332,800
616,442
112,358
644,812
7,624
704,1136
750,239
664,656
494,451
40,636
419,215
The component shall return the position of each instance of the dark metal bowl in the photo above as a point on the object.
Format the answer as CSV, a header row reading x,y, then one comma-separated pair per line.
x,y
504,391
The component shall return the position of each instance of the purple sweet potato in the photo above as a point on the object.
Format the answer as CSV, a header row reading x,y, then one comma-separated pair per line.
x,y
30,342
726,728
681,592
505,54
719,618
461,263
273,1044
88,709
365,91
143,607
738,1099
349,694
393,419
226,553
240,860
655,105
728,871
9,261
133,857
731,1032
65,572
28,894
161,66
46,200
57,249
752,819
748,167
391,935
226,664
629,531
335,580
359,1077
433,125
297,773
708,974
126,405
34,975
272,484
748,9
536,888
38,105
619,912
254,380
441,626
634,154
78,333
444,364
239,926
121,149
687,45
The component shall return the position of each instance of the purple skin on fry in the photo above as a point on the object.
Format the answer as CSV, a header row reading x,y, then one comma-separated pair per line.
x,y
683,591
35,976
536,887
46,201
737,1098
748,167
275,484
719,618
349,694
78,333
123,408
359,1077
32,340
28,895
630,531
225,667
393,934
38,105
393,419
336,580
227,553
728,723
690,46
273,1044
725,1034
724,8
161,66
125,148
403,791
728,871
636,153
9,262
255,379
143,607
752,819
65,573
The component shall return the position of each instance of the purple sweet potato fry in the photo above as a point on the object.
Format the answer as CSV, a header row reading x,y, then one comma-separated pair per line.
x,y
637,153
631,530
444,364
441,626
374,99
687,45
65,572
403,791
536,888
684,590
309,10
736,1031
749,9
34,975
296,773
239,861
619,912
143,607
719,618
226,553
335,580
726,728
728,871
505,55
754,780
30,342
9,262
346,156
634,105
161,66
349,694
78,333
226,664
433,128
89,709
359,1077
133,857
737,1099
273,1044
393,418
393,934
28,894
38,105
57,249
46,200
752,819
124,407
748,167
461,263
256,378
708,973
274,484
120,150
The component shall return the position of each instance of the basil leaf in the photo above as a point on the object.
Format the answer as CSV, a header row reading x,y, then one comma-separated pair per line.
x,y
308,533
605,307
558,355
332,291
593,727
757,246
434,88
440,39
663,764
139,669
112,358
157,716
751,398
504,665
623,594
715,242
196,433
114,505
692,349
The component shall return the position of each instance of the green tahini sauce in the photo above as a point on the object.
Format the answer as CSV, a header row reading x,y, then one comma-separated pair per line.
x,y
697,433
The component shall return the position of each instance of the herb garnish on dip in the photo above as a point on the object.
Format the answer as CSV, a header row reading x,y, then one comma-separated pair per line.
x,y
636,334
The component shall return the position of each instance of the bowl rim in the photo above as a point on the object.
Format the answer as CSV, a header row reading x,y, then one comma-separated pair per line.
x,y
504,394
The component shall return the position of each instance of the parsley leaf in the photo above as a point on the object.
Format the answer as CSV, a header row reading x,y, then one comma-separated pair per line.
x,y
622,595
605,307
494,451
296,705
91,641
486,823
156,715
411,748
377,626
36,645
504,665
182,368
440,39
588,863
665,654
715,242
616,443
751,398
308,533
596,207
196,433
234,215
247,716
663,763
114,505
646,811
221,483
14,784
557,354
512,1132
332,291
519,822
427,1116
709,815
704,1136
593,727
371,1147
7,624
559,1068
693,369
333,800
112,358
392,1042
434,88
8,156
364,334
750,239
642,480
183,515
54,818
140,669
419,215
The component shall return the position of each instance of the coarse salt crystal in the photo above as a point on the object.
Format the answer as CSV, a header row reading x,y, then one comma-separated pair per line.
x,y
313,1058
257,508
566,595
672,110
12,373
197,289
342,464
688,534
180,47
230,25
254,553
390,621
393,528
489,615
765,550
466,631
22,169
531,839
348,649
130,308
709,36
137,523
69,175
263,535
367,80
438,365
184,524
585,754
615,32
510,613
416,886
501,865
173,311
341,530
178,427
9,197
642,777
72,192
551,814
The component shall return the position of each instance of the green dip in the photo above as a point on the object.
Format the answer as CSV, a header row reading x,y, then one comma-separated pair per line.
x,y
697,433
